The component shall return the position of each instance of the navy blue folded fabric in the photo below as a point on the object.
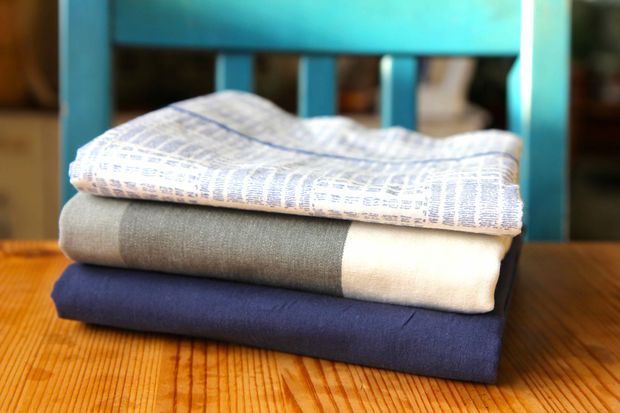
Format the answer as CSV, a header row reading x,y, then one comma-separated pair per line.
x,y
408,339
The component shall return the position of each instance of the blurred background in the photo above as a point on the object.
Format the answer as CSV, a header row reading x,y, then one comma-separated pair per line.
x,y
456,94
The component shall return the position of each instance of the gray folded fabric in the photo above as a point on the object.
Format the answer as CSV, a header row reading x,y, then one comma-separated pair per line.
x,y
445,270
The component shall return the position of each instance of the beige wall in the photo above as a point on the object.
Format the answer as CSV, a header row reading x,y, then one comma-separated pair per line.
x,y
28,174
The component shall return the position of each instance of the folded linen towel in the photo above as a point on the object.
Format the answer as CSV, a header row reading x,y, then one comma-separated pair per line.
x,y
409,339
447,270
237,150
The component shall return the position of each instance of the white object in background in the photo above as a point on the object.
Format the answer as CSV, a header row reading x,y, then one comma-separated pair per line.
x,y
443,94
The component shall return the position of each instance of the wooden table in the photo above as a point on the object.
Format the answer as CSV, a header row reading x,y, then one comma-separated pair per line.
x,y
561,352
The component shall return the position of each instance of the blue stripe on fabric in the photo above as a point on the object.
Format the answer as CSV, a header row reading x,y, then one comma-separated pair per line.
x,y
340,157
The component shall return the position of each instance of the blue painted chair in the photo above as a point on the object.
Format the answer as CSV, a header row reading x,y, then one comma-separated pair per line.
x,y
535,32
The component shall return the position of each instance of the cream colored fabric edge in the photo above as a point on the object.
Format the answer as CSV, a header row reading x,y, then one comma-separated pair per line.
x,y
446,270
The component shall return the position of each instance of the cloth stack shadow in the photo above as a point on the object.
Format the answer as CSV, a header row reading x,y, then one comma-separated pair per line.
x,y
227,218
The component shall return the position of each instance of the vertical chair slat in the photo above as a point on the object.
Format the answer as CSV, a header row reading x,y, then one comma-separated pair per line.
x,y
516,111
86,81
398,91
234,71
317,86
513,97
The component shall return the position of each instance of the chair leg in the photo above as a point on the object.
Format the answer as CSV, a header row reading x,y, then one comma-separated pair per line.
x,y
85,82
544,66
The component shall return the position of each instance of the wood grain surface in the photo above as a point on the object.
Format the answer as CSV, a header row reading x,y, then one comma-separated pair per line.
x,y
561,353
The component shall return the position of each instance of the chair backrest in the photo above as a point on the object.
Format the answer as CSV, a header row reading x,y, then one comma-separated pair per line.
x,y
535,32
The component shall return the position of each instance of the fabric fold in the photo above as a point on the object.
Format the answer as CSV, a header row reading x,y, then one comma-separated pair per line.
x,y
446,270
409,339
237,150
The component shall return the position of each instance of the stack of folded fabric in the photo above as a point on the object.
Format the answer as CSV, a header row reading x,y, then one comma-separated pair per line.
x,y
225,217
